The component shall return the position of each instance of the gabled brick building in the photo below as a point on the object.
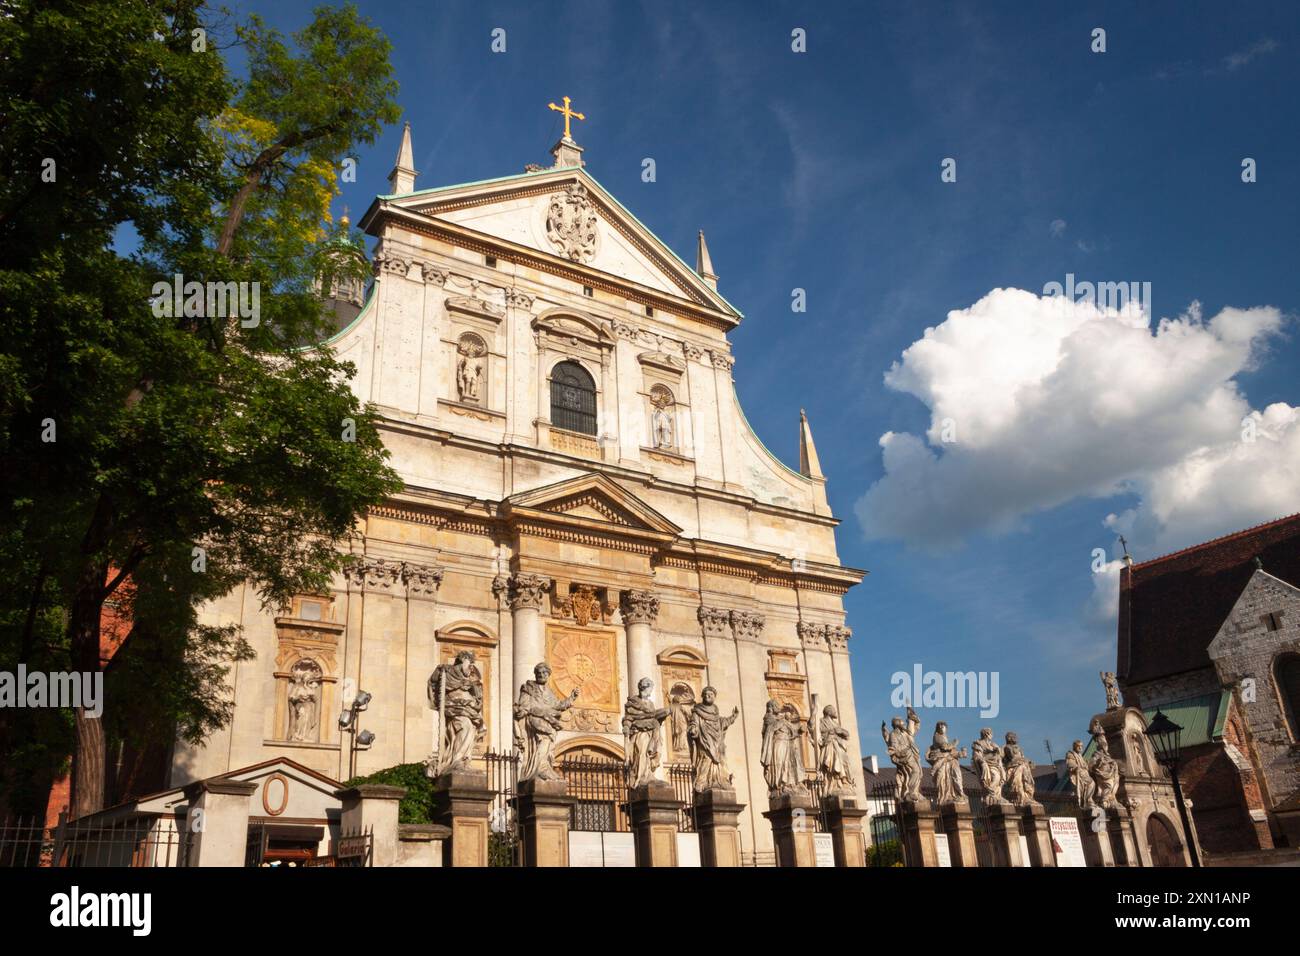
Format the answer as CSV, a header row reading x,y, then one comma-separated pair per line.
x,y
1211,636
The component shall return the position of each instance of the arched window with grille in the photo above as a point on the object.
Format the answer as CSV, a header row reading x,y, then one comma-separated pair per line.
x,y
573,399
1286,675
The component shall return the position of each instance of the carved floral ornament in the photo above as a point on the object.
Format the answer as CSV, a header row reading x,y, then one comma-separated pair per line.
x,y
571,223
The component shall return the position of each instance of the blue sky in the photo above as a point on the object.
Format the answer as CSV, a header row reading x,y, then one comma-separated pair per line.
x,y
821,171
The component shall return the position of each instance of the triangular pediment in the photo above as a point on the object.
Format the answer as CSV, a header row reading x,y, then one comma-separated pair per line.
x,y
565,214
1263,593
595,500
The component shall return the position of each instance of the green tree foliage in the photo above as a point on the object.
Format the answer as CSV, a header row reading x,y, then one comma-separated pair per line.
x,y
191,452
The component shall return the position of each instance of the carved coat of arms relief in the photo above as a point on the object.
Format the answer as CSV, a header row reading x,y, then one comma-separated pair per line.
x,y
571,223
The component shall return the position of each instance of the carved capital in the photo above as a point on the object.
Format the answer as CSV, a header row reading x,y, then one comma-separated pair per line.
x,y
714,621
693,352
375,574
627,331
432,273
639,607
387,262
500,589
422,580
747,625
722,359
528,590
811,634
520,300
837,636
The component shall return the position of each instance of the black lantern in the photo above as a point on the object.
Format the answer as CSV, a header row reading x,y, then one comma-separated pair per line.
x,y
1166,739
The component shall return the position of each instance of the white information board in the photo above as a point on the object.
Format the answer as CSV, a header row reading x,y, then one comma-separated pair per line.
x,y
1066,841
620,849
824,849
585,849
688,849
941,849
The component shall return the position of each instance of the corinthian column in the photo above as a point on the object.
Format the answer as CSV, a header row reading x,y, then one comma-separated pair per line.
x,y
640,610
525,595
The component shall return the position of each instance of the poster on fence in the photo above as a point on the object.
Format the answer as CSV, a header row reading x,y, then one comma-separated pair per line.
x,y
1066,842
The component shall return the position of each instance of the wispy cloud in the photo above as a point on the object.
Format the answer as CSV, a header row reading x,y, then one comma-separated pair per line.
x,y
1235,61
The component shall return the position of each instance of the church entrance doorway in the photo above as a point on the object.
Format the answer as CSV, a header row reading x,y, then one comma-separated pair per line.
x,y
1163,843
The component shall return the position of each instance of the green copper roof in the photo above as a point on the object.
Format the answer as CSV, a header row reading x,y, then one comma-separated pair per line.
x,y
1202,718
612,198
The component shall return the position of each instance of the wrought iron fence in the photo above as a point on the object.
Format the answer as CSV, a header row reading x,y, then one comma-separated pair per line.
x,y
149,841
600,786
503,830
682,777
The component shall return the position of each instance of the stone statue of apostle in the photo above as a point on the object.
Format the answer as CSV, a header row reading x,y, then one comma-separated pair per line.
x,y
642,722
707,734
537,721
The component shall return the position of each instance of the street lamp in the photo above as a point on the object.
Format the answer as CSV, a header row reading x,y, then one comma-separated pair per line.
x,y
1166,740
348,722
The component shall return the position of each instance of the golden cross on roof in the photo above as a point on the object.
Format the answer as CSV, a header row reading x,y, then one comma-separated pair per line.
x,y
568,115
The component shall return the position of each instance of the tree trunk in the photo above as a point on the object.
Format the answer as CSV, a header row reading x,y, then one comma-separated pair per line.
x,y
83,640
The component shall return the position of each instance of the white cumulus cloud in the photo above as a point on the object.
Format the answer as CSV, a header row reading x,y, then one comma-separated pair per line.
x,y
1044,400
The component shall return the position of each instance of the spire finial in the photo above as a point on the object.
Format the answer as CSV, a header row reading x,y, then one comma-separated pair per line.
x,y
402,178
809,465
704,264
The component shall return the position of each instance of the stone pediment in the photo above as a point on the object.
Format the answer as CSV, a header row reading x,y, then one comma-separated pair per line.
x,y
565,214
594,502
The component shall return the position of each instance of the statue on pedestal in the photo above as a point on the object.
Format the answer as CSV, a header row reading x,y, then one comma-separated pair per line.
x,y
1020,772
456,693
781,758
1105,773
537,721
707,734
1112,690
901,743
986,760
945,763
1077,764
641,733
836,770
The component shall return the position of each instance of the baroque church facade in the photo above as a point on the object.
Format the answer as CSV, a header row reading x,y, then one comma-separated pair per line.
x,y
556,388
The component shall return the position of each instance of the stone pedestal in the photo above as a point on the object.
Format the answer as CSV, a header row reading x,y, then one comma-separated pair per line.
x,y
1119,823
1004,835
844,817
959,827
918,823
717,816
1038,834
1097,850
542,808
793,827
218,821
461,802
373,807
652,810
